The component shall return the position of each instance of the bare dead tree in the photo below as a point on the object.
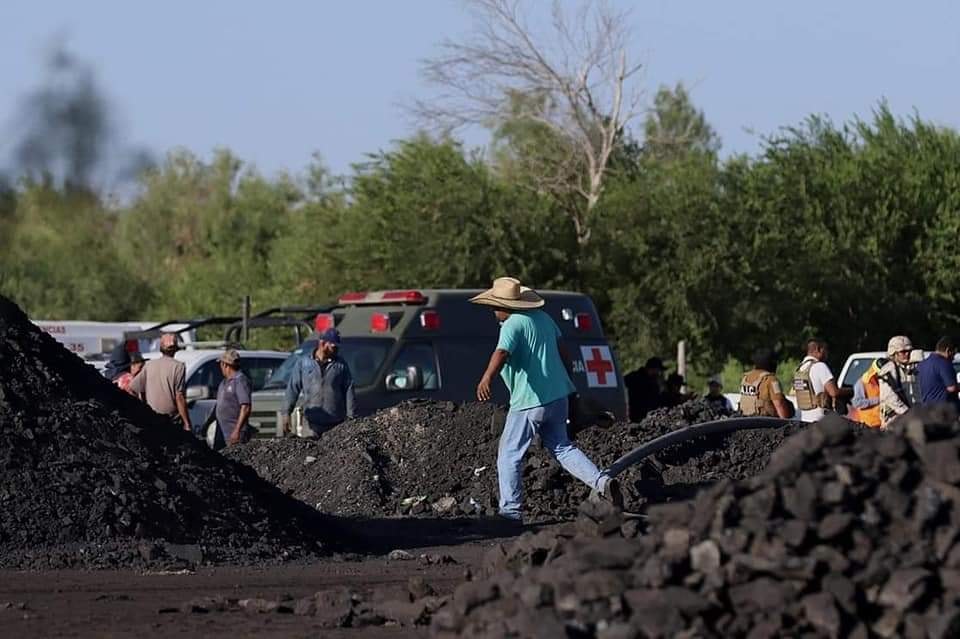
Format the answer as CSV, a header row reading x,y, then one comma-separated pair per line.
x,y
577,66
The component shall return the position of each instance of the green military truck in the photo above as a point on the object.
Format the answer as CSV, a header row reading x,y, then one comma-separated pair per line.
x,y
434,344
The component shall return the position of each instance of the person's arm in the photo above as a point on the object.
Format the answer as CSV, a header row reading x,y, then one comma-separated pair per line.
x,y
241,423
244,398
830,388
860,399
180,388
948,377
350,394
290,396
181,400
784,408
497,360
890,395
292,392
138,384
780,403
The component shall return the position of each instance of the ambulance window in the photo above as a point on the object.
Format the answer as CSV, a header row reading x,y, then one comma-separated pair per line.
x,y
423,357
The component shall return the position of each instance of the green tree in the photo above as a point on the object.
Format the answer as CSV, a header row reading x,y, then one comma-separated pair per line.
x,y
60,262
675,127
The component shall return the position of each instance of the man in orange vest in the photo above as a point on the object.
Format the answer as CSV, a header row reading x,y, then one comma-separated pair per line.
x,y
866,396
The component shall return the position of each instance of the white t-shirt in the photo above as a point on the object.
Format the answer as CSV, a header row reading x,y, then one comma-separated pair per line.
x,y
819,376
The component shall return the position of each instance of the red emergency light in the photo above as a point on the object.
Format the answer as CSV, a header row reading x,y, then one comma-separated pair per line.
x,y
131,346
347,298
413,297
583,322
380,323
430,320
323,322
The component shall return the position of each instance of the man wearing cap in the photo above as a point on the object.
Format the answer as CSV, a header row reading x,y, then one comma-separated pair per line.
x,y
233,399
898,380
716,398
324,387
644,388
531,361
163,382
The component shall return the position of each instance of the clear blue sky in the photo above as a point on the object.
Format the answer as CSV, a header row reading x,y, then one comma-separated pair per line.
x,y
276,81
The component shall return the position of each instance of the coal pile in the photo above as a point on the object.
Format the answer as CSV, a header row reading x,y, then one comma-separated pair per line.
x,y
846,533
439,459
90,477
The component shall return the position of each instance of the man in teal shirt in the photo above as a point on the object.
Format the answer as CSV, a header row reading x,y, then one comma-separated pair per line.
x,y
530,359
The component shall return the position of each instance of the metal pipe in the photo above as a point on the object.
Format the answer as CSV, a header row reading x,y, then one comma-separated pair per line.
x,y
680,435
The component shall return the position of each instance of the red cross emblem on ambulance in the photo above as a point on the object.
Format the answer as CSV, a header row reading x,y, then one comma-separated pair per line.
x,y
598,364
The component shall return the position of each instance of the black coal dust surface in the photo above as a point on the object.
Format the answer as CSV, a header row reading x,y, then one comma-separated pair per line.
x,y
439,459
90,477
846,533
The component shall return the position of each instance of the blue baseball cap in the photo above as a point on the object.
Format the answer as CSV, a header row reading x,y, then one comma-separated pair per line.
x,y
331,335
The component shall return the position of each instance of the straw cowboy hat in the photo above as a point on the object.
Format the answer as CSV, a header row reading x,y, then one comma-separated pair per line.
x,y
509,294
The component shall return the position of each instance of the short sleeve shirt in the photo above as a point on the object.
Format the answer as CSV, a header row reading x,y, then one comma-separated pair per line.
x,y
231,395
820,375
534,372
160,380
772,389
935,374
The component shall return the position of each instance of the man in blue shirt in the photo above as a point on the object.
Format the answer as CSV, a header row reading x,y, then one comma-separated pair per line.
x,y
322,384
530,359
937,378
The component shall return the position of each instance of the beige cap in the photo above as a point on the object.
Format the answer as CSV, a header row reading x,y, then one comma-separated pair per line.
x,y
230,357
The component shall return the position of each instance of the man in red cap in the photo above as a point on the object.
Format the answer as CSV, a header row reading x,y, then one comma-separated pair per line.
x,y
163,381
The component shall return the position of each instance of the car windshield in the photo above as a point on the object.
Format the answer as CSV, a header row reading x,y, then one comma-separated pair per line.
x,y
363,355
856,370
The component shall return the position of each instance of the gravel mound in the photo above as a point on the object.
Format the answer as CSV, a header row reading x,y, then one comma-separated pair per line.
x,y
846,533
439,459
90,477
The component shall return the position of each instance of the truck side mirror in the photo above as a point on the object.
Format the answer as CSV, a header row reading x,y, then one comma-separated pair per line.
x,y
411,379
196,392
414,378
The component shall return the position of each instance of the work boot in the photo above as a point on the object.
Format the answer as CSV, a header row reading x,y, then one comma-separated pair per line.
x,y
612,493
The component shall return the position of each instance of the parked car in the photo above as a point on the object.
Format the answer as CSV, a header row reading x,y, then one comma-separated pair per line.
x,y
434,344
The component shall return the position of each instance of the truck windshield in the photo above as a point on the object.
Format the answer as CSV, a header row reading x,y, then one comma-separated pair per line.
x,y
363,355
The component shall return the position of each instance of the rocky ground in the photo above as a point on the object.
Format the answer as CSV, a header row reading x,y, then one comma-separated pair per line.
x,y
439,459
845,534
827,530
90,477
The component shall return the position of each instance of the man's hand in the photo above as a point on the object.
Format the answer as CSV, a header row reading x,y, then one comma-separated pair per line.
x,y
285,426
234,437
497,360
187,426
483,389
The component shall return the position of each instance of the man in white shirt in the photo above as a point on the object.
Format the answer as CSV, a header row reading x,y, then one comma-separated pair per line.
x,y
813,384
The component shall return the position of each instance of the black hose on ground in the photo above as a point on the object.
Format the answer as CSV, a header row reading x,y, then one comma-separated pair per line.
x,y
681,435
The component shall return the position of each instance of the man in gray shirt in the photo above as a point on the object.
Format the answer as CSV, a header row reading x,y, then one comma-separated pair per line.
x,y
326,385
163,381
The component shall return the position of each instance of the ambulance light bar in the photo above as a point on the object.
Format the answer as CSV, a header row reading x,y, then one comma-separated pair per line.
x,y
383,297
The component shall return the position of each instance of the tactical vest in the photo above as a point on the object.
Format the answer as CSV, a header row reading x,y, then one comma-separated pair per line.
x,y
803,389
750,401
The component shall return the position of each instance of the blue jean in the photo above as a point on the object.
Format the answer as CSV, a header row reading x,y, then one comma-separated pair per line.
x,y
550,422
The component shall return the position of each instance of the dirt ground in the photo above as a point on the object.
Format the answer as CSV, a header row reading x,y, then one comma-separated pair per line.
x,y
128,603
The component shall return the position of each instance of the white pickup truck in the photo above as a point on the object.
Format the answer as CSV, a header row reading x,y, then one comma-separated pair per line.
x,y
857,364
93,341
